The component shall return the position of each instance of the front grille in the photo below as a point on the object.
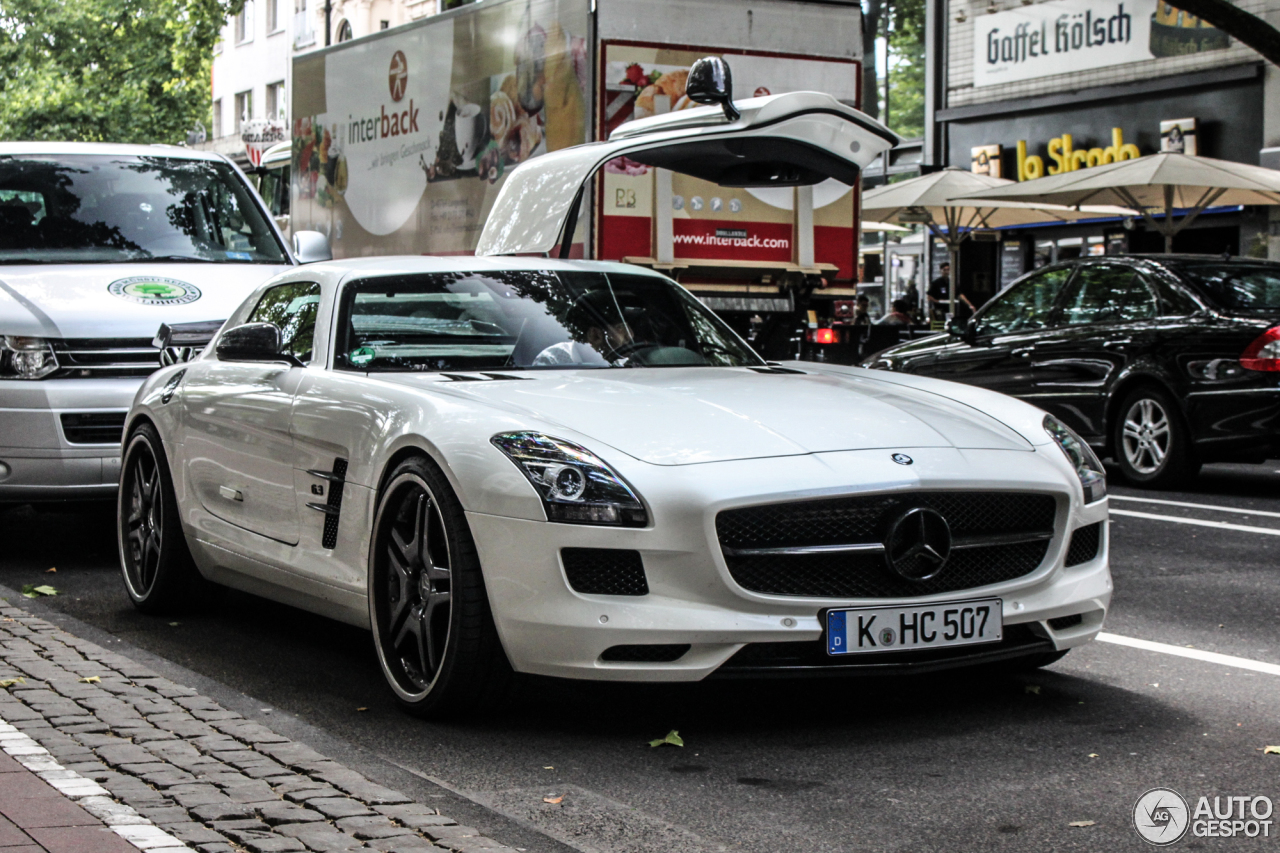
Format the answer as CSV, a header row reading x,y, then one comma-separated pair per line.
x,y
654,653
604,571
810,657
93,427
81,357
1084,544
978,517
1062,623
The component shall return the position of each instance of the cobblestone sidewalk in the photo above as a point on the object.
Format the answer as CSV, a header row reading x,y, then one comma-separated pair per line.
x,y
168,769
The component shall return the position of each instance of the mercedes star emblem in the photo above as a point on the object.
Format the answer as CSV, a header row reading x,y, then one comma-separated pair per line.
x,y
902,459
918,544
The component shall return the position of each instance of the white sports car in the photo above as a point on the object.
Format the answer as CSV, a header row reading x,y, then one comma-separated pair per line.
x,y
575,469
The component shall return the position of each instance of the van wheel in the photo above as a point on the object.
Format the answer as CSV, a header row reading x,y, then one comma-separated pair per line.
x,y
1152,442
432,627
159,574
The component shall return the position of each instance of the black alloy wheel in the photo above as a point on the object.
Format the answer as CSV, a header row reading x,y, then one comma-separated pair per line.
x,y
159,574
433,630
1151,442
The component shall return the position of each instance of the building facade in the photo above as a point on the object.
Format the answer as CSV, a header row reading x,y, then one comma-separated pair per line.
x,y
1021,89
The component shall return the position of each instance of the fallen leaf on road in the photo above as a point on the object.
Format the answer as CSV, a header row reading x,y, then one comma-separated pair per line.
x,y
1032,688
92,679
1093,755
1081,823
555,801
33,591
673,738
9,682
46,571
174,624
1271,750
362,709
549,767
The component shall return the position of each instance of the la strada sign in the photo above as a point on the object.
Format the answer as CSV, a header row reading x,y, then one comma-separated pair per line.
x,y
1060,37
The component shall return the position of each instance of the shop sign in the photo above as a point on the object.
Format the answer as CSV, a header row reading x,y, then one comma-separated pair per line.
x,y
1178,136
1068,158
1066,36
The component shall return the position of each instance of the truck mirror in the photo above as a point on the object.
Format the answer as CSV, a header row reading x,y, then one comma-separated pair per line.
x,y
710,82
310,247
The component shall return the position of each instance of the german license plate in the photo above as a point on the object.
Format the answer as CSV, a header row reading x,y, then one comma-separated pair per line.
x,y
854,630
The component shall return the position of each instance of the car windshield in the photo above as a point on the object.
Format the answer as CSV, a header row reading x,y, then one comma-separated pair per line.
x,y
113,209
1240,287
530,320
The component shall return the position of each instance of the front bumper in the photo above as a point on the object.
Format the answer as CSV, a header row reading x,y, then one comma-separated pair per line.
x,y
37,461
547,628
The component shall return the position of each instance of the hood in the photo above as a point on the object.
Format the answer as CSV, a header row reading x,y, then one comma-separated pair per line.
x,y
121,300
683,416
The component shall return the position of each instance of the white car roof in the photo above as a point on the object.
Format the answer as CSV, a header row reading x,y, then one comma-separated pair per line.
x,y
351,268
534,204
108,149
280,154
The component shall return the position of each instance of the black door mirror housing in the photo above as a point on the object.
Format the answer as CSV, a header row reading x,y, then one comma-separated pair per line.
x,y
254,342
711,82
967,332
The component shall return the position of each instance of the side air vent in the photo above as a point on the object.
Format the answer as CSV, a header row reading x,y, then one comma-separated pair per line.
x,y
1062,623
332,508
657,653
604,571
1084,544
93,427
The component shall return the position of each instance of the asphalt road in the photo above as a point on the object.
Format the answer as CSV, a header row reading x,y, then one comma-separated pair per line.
x,y
967,762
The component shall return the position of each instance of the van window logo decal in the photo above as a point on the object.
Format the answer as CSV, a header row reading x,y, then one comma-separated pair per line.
x,y
150,290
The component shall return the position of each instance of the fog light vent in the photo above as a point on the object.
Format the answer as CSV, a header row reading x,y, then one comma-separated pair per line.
x,y
1062,623
604,571
645,654
1084,544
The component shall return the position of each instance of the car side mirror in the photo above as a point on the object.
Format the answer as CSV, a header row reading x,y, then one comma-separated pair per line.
x,y
254,342
310,247
967,332
711,82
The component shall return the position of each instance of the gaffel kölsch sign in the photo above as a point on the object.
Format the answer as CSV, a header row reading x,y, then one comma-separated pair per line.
x,y
1061,37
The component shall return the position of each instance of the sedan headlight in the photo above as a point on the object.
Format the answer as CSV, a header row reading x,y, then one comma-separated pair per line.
x,y
576,487
1093,477
26,358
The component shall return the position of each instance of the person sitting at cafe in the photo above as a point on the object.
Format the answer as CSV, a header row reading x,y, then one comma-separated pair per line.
x,y
862,311
899,316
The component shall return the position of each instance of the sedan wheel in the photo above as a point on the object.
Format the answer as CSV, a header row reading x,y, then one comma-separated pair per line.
x,y
159,574
1152,444
432,627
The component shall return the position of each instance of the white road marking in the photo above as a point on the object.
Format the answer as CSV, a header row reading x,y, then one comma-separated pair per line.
x,y
1195,654
1196,506
1221,525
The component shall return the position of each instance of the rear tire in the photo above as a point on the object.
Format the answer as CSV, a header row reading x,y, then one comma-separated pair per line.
x,y
1152,441
159,574
432,627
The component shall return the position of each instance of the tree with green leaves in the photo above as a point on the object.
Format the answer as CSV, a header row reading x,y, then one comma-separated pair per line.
x,y
107,70
899,100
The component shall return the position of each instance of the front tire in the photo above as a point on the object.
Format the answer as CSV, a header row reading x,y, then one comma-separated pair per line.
x,y
159,574
1152,442
432,626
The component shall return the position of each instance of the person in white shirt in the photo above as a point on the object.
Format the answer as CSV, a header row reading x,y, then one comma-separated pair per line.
x,y
597,318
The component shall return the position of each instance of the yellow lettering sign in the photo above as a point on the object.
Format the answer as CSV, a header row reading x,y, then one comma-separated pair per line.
x,y
1068,158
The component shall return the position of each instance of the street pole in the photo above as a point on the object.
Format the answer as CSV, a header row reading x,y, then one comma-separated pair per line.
x,y
328,12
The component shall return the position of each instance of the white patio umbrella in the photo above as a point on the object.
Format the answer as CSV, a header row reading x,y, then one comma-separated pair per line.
x,y
1157,182
882,227
928,200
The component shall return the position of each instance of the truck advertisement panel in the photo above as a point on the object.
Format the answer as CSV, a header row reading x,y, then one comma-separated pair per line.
x,y
401,142
710,222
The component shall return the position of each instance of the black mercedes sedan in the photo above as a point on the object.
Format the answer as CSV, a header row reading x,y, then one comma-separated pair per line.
x,y
1162,362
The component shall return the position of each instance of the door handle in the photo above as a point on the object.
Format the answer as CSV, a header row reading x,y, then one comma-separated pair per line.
x,y
1024,352
1117,343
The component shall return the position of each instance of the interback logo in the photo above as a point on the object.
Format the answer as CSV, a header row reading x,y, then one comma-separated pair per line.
x,y
398,76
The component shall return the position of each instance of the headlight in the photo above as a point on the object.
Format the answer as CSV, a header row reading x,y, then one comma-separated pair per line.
x,y
576,487
26,358
1093,477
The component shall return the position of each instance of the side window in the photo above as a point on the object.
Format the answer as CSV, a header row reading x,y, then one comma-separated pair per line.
x,y
1027,305
1174,302
292,307
1108,294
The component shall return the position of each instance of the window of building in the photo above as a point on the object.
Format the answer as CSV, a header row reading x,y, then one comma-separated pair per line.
x,y
244,108
275,100
244,23
344,31
274,22
303,33
217,118
384,25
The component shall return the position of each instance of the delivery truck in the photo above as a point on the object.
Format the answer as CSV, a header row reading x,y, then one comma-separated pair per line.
x,y
401,141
